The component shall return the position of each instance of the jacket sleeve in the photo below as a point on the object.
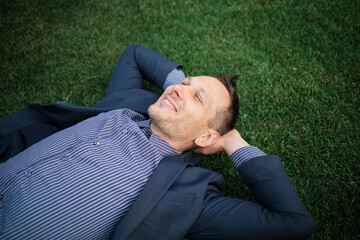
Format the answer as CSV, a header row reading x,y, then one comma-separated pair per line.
x,y
278,213
138,62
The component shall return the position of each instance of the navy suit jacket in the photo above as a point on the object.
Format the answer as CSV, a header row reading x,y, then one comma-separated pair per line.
x,y
180,199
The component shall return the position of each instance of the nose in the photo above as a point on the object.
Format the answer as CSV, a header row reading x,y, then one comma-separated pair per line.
x,y
178,91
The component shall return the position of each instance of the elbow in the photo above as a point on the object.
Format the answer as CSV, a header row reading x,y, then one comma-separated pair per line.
x,y
303,227
309,226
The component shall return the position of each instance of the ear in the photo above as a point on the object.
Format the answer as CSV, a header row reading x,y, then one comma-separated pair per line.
x,y
207,139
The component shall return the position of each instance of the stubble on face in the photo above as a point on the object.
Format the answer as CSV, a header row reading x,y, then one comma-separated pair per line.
x,y
178,117
177,126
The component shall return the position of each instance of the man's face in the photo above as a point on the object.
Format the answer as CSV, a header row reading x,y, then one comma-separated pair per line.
x,y
183,111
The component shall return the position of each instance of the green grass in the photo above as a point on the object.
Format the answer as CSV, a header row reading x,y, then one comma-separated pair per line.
x,y
299,77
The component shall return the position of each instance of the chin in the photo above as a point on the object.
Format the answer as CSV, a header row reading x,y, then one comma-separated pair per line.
x,y
151,109
155,114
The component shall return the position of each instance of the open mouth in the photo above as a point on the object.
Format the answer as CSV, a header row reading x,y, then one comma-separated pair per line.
x,y
169,104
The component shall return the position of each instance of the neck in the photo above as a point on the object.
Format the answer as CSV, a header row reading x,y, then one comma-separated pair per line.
x,y
179,146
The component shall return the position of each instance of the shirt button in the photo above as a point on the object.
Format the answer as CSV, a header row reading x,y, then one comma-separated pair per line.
x,y
96,142
64,158
124,131
28,173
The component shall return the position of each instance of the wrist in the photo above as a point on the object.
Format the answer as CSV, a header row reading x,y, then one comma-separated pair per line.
x,y
174,77
233,144
244,154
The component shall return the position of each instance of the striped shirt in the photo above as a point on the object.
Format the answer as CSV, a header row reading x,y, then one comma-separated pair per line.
x,y
78,183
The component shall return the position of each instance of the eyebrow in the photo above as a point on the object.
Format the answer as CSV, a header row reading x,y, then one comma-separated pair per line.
x,y
205,98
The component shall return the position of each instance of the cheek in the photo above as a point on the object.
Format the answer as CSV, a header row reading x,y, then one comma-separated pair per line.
x,y
196,120
197,111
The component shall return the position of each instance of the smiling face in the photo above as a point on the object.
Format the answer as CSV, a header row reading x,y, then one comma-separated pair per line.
x,y
183,111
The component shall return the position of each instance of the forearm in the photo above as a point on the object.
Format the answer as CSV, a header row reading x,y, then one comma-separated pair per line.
x,y
153,66
136,63
278,212
265,176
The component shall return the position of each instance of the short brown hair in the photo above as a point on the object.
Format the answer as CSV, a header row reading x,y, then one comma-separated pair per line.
x,y
225,118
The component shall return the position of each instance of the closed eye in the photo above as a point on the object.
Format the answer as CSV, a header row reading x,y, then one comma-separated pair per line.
x,y
198,98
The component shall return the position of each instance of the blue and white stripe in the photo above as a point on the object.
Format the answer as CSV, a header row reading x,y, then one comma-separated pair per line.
x,y
78,183
174,77
244,154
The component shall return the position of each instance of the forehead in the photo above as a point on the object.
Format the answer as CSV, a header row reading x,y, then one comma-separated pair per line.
x,y
215,91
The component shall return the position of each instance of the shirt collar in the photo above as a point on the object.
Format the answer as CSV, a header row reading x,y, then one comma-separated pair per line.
x,y
162,146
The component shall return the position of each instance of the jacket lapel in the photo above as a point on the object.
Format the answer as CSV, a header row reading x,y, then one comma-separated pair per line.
x,y
160,181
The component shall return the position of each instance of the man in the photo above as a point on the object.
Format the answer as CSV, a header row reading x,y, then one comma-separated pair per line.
x,y
96,173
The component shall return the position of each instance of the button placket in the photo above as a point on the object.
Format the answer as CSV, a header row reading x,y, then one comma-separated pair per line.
x,y
64,160
28,173
96,142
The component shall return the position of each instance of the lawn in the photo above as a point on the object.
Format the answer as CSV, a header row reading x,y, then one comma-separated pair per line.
x,y
298,63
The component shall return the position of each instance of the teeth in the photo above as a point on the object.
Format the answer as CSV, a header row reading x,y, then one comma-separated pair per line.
x,y
172,107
